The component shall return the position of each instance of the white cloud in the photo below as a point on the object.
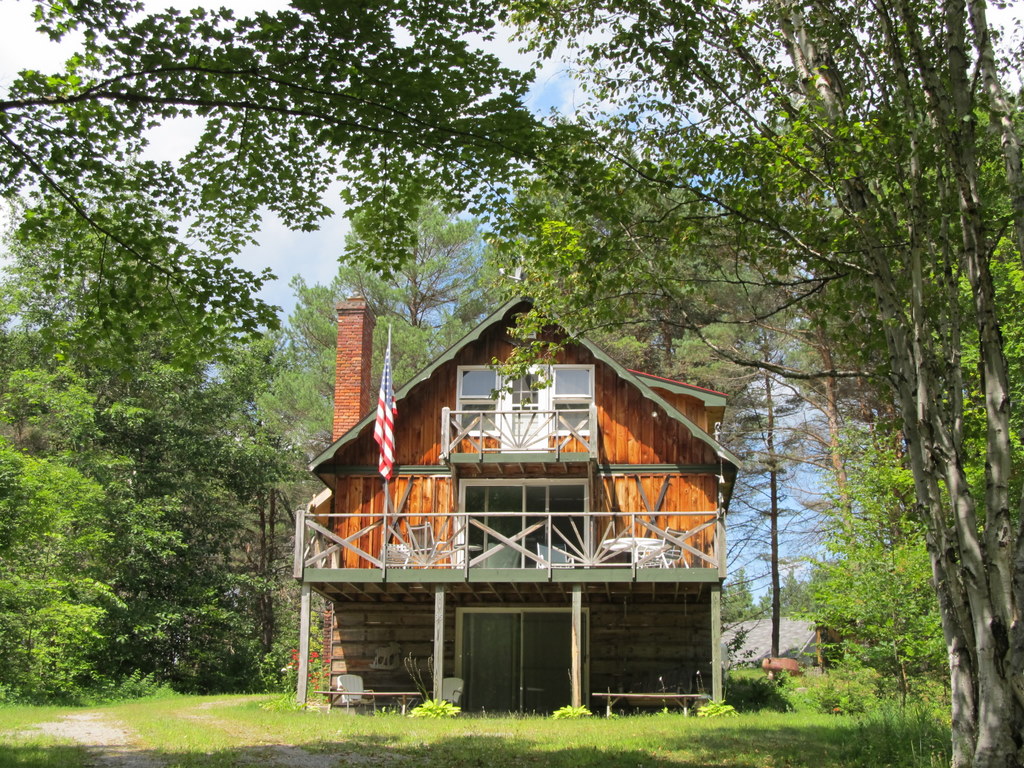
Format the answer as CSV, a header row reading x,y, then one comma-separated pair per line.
x,y
22,47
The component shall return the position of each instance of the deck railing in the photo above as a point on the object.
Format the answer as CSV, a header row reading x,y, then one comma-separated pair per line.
x,y
481,433
513,540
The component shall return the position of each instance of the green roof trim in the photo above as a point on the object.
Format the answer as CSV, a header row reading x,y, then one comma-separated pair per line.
x,y
637,380
709,397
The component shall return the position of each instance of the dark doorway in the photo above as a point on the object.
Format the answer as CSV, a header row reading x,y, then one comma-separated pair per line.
x,y
517,660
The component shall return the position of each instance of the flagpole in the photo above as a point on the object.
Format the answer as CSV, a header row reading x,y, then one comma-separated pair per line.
x,y
388,506
385,533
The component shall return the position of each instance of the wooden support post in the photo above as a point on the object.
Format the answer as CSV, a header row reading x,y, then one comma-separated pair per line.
x,y
576,673
300,692
438,670
716,642
720,545
300,543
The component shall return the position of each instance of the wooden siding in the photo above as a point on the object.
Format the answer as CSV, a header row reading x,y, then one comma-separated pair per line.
x,y
633,430
653,494
363,495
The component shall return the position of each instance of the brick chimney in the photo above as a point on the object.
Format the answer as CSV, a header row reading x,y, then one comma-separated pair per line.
x,y
354,356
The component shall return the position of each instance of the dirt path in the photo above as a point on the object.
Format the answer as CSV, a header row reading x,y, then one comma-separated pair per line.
x,y
108,741
111,744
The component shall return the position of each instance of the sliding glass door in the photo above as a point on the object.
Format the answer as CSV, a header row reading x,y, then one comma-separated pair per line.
x,y
516,660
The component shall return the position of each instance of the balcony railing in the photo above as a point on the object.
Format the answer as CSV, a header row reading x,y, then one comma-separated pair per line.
x,y
512,540
571,431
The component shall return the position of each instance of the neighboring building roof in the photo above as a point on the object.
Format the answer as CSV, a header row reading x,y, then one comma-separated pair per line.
x,y
499,316
797,640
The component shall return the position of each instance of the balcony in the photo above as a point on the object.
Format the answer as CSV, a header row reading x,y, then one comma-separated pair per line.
x,y
563,435
512,546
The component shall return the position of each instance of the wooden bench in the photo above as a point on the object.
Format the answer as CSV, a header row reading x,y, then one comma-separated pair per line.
x,y
404,697
681,700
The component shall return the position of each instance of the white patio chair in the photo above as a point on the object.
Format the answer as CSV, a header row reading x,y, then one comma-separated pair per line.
x,y
451,689
397,556
553,555
352,685
422,545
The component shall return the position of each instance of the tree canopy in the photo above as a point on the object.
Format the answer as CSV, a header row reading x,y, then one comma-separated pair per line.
x,y
844,173
384,100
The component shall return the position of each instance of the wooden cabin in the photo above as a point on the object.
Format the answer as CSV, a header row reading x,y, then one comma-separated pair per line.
x,y
541,539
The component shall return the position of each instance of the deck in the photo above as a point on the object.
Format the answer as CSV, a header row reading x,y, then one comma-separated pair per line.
x,y
512,547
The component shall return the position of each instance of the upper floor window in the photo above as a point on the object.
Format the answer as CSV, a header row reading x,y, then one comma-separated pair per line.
x,y
556,387
477,389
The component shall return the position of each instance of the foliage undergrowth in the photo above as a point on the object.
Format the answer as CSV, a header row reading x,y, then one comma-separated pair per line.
x,y
717,709
845,689
911,736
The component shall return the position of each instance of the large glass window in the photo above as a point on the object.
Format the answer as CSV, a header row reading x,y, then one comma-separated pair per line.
x,y
477,392
573,382
511,517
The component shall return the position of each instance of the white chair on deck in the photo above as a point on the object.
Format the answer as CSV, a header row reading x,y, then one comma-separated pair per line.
x,y
649,553
554,556
397,556
422,545
673,556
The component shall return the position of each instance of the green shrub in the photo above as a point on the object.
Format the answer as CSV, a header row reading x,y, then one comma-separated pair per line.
x,y
282,702
435,708
571,713
847,689
755,693
136,686
9,695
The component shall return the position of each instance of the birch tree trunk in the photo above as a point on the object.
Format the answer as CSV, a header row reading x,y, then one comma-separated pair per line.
x,y
972,557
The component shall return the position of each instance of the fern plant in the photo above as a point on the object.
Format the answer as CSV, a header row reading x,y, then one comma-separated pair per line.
x,y
435,708
717,709
571,713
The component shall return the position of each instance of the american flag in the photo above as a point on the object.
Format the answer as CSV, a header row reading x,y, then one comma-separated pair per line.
x,y
384,428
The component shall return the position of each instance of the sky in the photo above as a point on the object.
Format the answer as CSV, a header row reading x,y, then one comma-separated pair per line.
x,y
313,255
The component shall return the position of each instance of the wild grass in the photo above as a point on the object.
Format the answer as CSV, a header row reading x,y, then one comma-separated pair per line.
x,y
231,732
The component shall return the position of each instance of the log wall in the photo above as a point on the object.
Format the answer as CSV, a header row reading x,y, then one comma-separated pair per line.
x,y
631,644
361,628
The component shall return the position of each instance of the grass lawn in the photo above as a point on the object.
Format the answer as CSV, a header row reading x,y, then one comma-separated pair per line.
x,y
225,732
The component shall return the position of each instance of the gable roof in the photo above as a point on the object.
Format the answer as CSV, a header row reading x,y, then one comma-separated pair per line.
x,y
499,316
